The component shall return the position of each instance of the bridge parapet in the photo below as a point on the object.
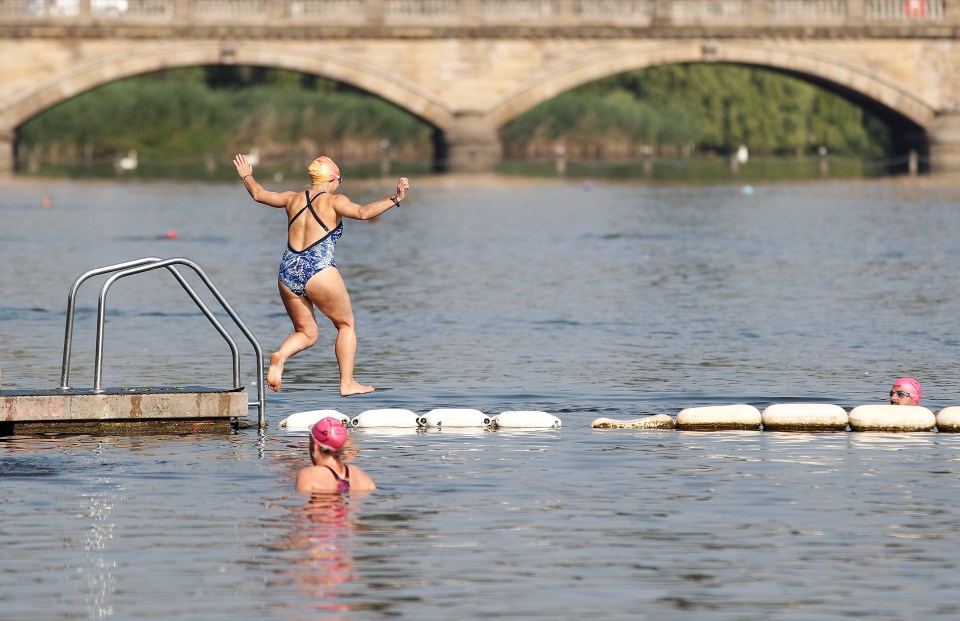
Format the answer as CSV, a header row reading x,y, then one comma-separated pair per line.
x,y
464,18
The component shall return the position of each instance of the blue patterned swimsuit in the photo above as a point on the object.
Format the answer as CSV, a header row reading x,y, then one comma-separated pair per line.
x,y
296,268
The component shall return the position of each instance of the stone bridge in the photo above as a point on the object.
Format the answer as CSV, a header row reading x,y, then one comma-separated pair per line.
x,y
469,66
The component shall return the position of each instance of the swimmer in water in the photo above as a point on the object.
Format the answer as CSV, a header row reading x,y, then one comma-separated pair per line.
x,y
308,273
905,391
329,473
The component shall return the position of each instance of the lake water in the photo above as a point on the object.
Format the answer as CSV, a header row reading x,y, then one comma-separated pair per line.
x,y
584,300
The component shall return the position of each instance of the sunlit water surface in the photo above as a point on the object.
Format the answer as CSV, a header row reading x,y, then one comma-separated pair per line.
x,y
583,300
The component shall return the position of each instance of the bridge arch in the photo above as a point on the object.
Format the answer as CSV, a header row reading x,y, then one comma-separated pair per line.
x,y
85,76
469,125
834,74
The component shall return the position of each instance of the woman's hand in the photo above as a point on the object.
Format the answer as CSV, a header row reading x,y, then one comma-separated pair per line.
x,y
243,166
402,186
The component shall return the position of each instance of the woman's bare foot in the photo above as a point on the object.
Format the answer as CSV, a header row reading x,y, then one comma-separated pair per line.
x,y
275,372
354,388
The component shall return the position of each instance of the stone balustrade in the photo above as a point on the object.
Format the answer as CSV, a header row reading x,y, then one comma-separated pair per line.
x,y
426,18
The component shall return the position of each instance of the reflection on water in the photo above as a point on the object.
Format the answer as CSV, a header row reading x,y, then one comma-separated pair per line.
x,y
584,300
321,537
715,169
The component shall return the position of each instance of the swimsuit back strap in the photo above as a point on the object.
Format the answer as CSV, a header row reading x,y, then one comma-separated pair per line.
x,y
345,476
310,207
290,223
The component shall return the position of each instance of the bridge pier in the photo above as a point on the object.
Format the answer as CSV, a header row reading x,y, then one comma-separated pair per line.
x,y
8,160
470,144
944,134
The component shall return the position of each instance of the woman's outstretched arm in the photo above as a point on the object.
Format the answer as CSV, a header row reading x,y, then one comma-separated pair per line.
x,y
348,209
257,191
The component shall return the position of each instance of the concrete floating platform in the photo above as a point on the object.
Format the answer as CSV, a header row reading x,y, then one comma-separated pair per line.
x,y
186,409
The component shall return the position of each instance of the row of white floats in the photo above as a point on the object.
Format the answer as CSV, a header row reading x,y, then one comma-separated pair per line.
x,y
797,417
776,417
441,418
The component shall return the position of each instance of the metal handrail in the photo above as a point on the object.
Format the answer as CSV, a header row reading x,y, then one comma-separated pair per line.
x,y
148,264
71,303
71,310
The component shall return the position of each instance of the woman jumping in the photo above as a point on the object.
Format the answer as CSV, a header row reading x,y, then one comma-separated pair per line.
x,y
308,272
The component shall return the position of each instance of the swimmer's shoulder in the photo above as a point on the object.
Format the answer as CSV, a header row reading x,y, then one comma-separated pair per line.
x,y
314,479
360,480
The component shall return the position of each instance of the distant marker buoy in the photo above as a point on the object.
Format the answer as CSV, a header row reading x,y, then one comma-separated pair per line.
x,y
171,234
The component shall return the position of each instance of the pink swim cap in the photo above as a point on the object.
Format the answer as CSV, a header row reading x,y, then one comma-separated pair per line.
x,y
912,387
329,433
323,169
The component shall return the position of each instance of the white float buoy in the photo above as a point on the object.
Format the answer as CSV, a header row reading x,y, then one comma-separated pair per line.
x,y
302,421
444,418
948,420
717,417
655,421
804,417
525,419
891,418
387,417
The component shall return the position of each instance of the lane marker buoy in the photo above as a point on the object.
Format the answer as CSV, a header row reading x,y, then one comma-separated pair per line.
x,y
948,419
892,418
525,419
302,421
804,417
385,417
719,417
445,418
656,421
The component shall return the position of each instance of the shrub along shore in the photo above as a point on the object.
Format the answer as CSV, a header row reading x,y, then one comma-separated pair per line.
x,y
189,122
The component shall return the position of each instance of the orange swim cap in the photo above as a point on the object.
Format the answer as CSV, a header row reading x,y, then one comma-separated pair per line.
x,y
323,169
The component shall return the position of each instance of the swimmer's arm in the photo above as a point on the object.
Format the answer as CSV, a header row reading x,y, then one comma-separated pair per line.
x,y
348,209
258,192
360,481
266,197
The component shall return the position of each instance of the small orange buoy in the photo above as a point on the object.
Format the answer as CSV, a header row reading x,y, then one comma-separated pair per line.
x,y
171,234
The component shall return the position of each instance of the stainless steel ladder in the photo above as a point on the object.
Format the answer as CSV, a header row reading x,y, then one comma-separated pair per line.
x,y
146,264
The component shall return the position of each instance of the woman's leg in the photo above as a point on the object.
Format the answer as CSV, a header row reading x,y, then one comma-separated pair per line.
x,y
304,334
328,292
